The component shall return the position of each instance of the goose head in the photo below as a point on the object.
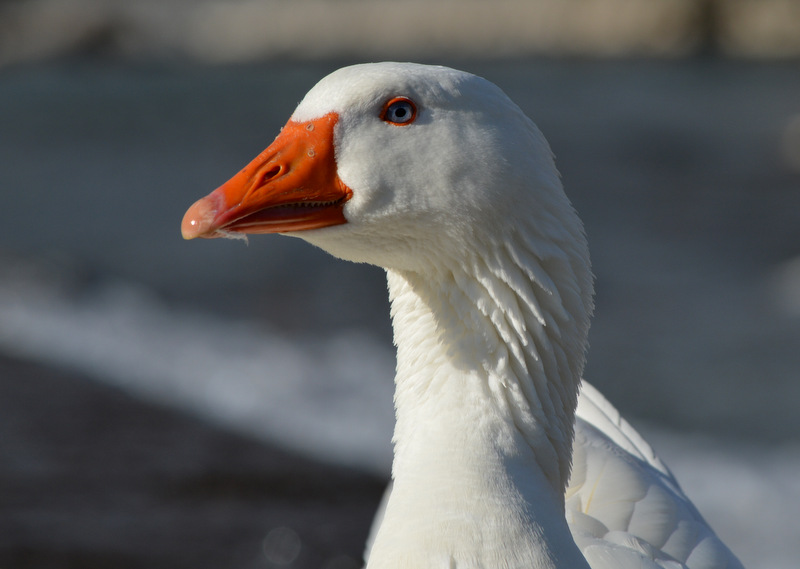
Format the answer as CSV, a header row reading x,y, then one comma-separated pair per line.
x,y
402,166
437,176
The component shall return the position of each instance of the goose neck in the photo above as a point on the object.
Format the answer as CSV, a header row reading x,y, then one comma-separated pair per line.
x,y
480,372
479,463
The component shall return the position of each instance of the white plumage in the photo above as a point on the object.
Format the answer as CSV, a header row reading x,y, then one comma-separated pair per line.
x,y
439,178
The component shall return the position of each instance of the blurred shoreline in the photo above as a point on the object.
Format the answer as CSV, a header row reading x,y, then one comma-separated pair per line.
x,y
229,31
93,478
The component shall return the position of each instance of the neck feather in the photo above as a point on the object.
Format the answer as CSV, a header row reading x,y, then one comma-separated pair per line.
x,y
497,329
489,356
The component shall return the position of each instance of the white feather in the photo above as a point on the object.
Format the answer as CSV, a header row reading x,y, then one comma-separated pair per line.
x,y
491,293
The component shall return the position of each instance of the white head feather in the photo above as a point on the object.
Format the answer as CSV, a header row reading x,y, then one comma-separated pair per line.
x,y
468,194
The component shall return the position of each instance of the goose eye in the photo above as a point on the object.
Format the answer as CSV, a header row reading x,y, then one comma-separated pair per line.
x,y
399,111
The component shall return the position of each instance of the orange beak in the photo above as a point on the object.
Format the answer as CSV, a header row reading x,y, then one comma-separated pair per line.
x,y
291,186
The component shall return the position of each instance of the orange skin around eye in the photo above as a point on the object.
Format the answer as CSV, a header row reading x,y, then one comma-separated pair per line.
x,y
390,102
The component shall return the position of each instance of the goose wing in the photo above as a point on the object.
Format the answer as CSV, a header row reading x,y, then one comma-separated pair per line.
x,y
623,505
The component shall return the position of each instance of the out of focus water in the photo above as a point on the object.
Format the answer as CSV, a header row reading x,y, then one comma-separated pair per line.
x,y
685,174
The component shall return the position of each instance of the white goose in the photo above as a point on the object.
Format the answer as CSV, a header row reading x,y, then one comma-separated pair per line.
x,y
435,175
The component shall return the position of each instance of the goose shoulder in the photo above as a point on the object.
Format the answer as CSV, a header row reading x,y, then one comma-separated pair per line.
x,y
624,507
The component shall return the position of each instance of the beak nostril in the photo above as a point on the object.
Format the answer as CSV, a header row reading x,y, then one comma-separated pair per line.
x,y
271,173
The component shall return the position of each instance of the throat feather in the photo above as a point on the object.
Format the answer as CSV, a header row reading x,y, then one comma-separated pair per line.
x,y
490,318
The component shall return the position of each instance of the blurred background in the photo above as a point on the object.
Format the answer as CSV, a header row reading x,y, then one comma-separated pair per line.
x,y
170,404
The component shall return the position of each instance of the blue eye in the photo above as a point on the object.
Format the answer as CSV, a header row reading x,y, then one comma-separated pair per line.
x,y
399,111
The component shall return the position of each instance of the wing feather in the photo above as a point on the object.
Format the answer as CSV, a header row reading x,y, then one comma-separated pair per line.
x,y
624,506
